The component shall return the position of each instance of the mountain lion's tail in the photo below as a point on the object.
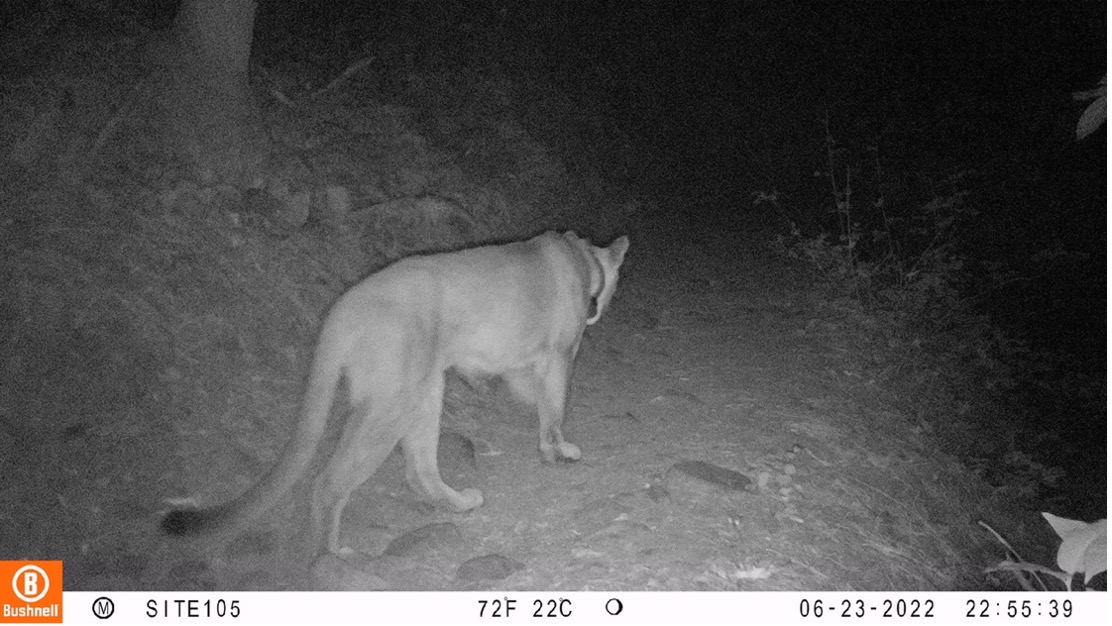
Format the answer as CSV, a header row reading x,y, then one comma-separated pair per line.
x,y
295,459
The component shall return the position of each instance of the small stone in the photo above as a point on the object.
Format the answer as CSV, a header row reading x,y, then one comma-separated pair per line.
x,y
657,493
715,475
430,538
487,567
332,573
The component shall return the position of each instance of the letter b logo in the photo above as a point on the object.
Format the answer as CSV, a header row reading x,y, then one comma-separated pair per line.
x,y
30,583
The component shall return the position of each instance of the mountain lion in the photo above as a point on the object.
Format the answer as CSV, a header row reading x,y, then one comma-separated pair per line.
x,y
516,310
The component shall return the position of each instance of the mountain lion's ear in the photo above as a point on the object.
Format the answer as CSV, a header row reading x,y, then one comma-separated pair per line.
x,y
618,248
609,260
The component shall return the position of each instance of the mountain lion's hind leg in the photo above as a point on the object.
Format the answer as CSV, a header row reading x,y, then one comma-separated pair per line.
x,y
420,445
365,444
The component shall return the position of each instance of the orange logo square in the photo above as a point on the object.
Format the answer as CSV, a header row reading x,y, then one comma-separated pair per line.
x,y
31,592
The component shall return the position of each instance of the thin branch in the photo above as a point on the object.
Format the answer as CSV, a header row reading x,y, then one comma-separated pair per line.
x,y
346,74
1011,550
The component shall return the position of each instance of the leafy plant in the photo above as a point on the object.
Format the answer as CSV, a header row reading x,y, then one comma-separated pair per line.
x,y
1083,550
1093,116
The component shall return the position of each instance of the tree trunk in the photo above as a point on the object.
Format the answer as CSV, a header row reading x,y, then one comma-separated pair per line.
x,y
205,111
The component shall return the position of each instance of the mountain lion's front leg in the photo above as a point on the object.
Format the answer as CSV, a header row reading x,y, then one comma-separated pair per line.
x,y
553,381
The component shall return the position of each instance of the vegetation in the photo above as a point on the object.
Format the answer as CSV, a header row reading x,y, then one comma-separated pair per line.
x,y
899,274
1083,550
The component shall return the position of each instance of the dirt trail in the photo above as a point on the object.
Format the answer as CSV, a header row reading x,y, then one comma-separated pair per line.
x,y
704,358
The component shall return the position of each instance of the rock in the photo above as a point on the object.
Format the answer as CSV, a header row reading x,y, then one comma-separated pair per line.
x,y
331,573
430,538
698,473
487,567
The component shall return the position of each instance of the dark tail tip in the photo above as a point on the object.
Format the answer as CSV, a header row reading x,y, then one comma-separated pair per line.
x,y
184,522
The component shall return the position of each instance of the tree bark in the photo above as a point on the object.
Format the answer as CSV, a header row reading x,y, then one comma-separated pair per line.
x,y
205,111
